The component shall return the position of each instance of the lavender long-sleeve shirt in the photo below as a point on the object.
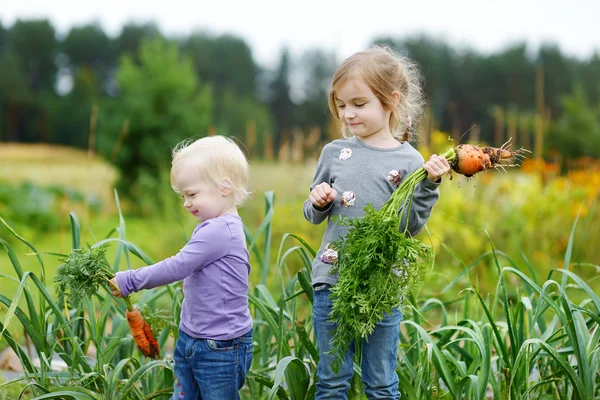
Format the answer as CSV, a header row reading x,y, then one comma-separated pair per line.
x,y
214,266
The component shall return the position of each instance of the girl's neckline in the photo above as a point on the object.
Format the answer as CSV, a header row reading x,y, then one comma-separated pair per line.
x,y
224,216
356,140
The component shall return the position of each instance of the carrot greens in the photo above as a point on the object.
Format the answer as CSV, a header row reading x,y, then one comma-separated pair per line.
x,y
379,264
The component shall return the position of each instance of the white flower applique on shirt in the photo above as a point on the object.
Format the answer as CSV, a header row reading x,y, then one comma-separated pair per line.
x,y
394,177
345,154
348,199
330,255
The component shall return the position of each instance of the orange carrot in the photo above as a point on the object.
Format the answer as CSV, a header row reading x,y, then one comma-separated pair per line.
x,y
466,159
154,348
472,159
136,324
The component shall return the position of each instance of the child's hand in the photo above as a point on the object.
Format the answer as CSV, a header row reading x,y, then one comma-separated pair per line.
x,y
114,288
436,166
322,195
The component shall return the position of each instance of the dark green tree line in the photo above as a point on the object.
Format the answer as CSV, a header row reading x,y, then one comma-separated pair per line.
x,y
78,89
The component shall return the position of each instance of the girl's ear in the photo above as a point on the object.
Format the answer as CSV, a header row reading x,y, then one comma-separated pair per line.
x,y
225,187
396,97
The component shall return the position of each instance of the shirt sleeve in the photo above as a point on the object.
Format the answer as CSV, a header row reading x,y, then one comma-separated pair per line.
x,y
425,196
209,242
323,174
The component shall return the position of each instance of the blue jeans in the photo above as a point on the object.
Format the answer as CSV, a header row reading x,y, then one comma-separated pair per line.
x,y
207,369
379,355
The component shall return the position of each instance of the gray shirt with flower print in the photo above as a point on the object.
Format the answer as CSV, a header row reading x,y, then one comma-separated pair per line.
x,y
361,175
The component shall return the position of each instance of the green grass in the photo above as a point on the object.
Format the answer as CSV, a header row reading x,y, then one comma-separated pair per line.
x,y
527,339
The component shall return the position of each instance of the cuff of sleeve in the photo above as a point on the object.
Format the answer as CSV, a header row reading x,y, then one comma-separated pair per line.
x,y
122,282
322,211
427,184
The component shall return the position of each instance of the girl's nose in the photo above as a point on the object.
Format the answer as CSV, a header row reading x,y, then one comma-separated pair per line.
x,y
187,204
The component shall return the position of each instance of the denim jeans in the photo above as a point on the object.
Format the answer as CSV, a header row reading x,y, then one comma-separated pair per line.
x,y
207,369
379,355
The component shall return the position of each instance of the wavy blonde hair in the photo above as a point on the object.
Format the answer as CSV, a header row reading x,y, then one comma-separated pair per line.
x,y
217,159
384,72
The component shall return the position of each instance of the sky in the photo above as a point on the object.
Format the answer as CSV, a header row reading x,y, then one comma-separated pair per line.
x,y
340,26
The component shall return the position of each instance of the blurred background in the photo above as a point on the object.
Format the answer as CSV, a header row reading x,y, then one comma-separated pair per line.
x,y
94,96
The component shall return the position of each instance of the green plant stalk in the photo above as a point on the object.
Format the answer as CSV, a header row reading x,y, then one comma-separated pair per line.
x,y
406,189
126,299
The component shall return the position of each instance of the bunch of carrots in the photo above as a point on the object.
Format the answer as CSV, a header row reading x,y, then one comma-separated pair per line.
x,y
80,276
379,264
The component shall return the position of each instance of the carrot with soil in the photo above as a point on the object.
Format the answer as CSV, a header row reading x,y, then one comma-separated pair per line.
x,y
378,263
80,276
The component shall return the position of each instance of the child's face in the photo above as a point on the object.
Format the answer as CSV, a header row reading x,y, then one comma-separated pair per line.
x,y
203,199
361,111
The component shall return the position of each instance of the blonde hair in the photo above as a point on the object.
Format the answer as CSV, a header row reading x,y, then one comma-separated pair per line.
x,y
217,159
384,72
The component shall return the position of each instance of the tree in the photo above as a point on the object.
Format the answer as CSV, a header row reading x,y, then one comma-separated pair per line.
x,y
437,62
280,101
31,47
559,76
590,78
164,102
88,60
577,132
247,119
15,98
226,63
90,52
35,43
131,37
318,67
3,40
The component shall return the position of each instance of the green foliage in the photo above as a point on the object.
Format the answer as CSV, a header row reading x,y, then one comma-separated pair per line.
x,y
225,61
29,205
164,104
67,330
11,390
132,35
82,273
35,43
532,338
280,101
577,132
88,46
159,320
378,266
239,114
318,69
2,38
13,80
48,85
